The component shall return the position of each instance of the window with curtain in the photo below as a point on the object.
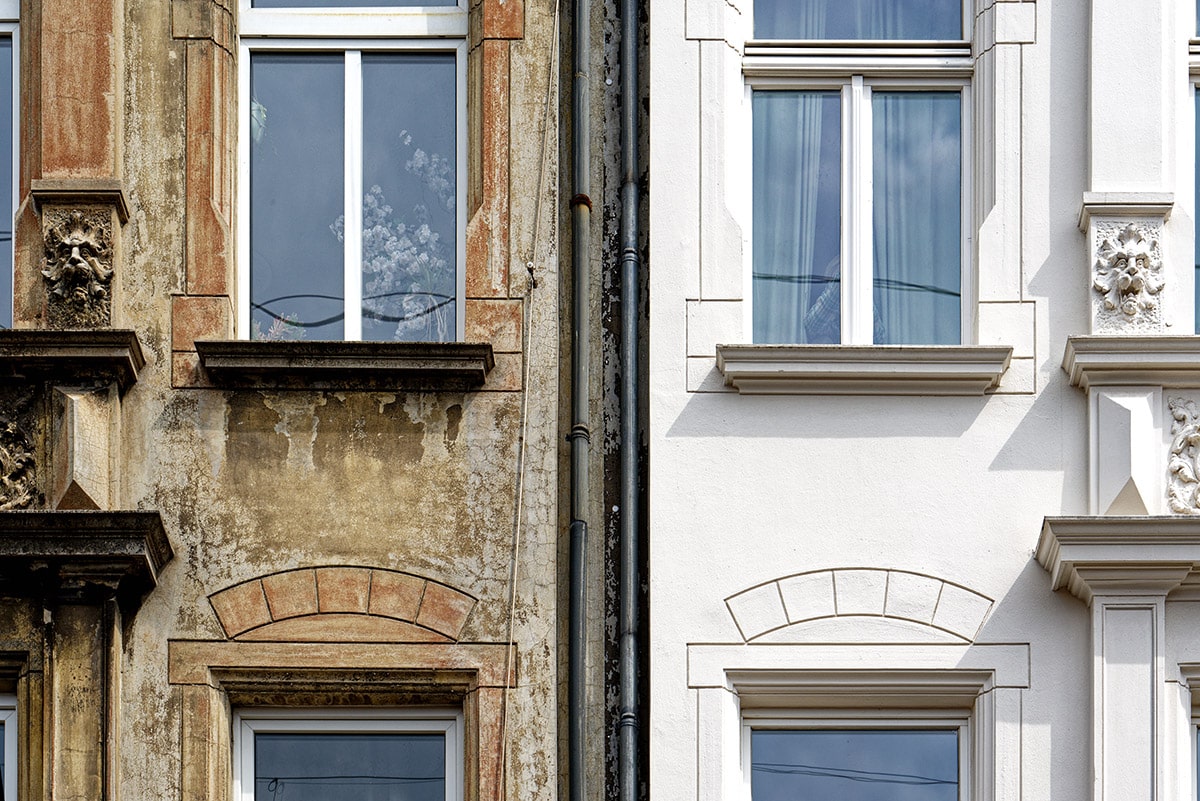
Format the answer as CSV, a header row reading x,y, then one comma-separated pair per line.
x,y
351,174
859,178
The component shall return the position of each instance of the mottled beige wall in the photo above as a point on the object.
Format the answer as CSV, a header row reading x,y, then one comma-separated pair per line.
x,y
251,483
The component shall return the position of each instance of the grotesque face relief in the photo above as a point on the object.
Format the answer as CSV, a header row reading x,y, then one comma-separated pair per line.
x,y
1127,272
77,265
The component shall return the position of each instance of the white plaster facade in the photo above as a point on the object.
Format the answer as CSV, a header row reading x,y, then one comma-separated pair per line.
x,y
1014,540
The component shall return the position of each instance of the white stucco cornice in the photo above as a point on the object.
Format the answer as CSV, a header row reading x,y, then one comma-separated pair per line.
x,y
1142,555
1125,204
863,369
1131,360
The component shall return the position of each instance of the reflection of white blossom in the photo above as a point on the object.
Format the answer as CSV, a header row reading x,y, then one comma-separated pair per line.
x,y
408,271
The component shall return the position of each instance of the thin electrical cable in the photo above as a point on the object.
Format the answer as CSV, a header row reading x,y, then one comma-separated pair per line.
x,y
527,341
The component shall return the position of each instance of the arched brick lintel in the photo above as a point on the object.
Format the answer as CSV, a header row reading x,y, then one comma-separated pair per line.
x,y
344,604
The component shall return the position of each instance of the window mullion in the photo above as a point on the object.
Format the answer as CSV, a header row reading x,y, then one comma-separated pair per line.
x,y
353,197
857,327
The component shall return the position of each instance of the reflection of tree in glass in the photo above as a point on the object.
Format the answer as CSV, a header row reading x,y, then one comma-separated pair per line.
x,y
407,268
283,328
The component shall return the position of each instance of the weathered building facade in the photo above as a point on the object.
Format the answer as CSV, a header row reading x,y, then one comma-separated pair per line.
x,y
228,521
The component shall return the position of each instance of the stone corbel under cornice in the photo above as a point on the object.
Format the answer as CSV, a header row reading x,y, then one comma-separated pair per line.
x,y
87,556
1125,204
81,192
1110,555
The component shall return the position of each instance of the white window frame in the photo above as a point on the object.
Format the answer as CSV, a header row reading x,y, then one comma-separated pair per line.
x,y
249,722
855,67
10,27
859,720
8,717
353,31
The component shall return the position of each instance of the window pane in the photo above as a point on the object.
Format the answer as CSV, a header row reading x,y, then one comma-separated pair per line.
x,y
409,208
917,167
349,767
6,182
297,124
1196,248
858,19
797,217
854,765
348,3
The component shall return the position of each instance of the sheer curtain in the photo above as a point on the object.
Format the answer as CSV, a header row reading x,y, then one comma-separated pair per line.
x,y
797,205
858,19
917,155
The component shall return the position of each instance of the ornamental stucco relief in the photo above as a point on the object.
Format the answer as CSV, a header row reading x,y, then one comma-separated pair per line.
x,y
18,490
78,266
1127,276
1183,467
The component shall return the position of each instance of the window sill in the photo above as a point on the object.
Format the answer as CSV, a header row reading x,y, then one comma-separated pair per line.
x,y
863,369
1154,360
109,355
385,366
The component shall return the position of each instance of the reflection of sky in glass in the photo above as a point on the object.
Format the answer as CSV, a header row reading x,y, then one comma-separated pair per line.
x,y
917,162
296,192
1196,249
348,3
858,19
854,765
6,182
349,767
409,185
797,217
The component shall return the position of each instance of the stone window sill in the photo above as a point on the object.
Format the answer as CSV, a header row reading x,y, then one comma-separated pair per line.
x,y
381,366
1166,361
863,369
109,355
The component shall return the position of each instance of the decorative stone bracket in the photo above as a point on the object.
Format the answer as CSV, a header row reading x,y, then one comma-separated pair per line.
x,y
78,263
86,569
60,416
1123,568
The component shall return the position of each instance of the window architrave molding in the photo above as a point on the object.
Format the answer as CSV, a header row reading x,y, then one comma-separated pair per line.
x,y
854,69
351,32
980,683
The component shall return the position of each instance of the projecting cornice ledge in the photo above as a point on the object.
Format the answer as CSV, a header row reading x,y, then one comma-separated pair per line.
x,y
70,356
1142,555
1113,361
238,364
81,555
863,369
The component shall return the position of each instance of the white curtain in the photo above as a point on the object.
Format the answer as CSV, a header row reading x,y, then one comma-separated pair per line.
x,y
797,144
858,19
917,155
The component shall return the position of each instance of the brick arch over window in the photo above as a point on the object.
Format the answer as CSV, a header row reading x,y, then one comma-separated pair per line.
x,y
898,595
342,604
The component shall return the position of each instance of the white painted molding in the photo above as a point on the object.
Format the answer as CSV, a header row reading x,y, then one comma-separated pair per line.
x,y
1142,555
859,592
1125,204
863,369
1132,360
716,665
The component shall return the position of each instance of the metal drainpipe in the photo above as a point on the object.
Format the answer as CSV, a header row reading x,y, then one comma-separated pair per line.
x,y
628,722
580,436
